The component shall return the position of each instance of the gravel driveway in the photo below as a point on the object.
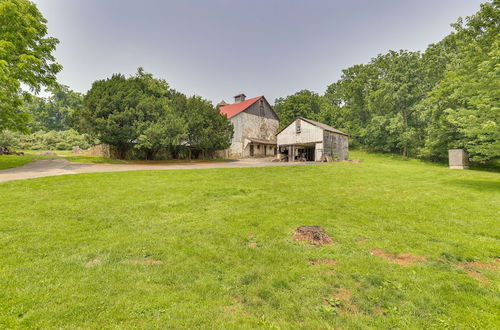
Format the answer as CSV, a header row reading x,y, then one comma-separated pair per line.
x,y
52,167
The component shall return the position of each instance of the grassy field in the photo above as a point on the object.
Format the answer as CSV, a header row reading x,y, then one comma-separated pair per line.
x,y
416,245
10,161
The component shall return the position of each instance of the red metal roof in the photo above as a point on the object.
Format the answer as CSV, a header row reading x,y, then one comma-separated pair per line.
x,y
232,110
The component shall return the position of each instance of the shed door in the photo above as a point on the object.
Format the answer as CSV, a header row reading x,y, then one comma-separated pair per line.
x,y
251,150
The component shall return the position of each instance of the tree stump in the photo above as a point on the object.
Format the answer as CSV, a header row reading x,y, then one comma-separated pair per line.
x,y
314,235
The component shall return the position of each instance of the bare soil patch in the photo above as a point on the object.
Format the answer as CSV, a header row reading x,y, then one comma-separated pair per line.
x,y
317,262
314,235
251,242
235,308
472,269
342,300
145,262
481,265
474,274
362,239
403,259
378,310
92,262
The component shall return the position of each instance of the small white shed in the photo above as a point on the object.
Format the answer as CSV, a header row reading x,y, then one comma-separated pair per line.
x,y
309,140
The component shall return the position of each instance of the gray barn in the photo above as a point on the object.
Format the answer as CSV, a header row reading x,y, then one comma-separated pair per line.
x,y
309,140
255,126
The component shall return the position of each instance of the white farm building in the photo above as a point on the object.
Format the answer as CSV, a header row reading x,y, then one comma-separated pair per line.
x,y
309,140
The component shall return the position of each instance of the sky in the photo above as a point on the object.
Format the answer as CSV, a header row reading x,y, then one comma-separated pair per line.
x,y
219,48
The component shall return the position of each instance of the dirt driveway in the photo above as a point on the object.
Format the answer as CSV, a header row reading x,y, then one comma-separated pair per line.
x,y
52,167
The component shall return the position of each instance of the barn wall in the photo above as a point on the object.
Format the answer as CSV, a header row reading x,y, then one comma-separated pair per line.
x,y
335,145
249,125
308,134
262,110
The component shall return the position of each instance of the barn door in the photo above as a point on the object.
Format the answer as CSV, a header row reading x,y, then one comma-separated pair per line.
x,y
251,150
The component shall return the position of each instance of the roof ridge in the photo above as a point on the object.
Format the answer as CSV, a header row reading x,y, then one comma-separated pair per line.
x,y
323,126
233,109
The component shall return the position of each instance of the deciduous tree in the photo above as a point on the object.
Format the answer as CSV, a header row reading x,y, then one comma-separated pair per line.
x,y
25,59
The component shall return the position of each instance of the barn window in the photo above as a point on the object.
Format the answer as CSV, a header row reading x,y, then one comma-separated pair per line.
x,y
297,126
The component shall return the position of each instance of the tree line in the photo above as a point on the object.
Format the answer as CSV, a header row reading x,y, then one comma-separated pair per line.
x,y
139,115
143,114
419,104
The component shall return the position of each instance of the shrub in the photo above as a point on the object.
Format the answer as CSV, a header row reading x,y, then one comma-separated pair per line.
x,y
51,140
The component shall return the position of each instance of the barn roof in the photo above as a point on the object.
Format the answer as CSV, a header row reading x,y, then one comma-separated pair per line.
x,y
318,124
232,110
323,126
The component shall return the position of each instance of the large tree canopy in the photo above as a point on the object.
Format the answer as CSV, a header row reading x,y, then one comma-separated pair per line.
x,y
25,59
419,104
463,110
301,104
143,113
53,113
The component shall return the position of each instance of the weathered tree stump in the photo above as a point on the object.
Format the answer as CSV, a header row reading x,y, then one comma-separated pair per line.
x,y
314,235
7,151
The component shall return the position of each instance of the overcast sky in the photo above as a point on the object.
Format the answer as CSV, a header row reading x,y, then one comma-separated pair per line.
x,y
218,48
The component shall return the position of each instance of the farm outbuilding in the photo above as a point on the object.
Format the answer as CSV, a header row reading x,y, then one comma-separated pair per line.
x,y
309,140
255,125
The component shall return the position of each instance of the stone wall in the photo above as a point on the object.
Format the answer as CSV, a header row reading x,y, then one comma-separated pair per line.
x,y
103,150
247,125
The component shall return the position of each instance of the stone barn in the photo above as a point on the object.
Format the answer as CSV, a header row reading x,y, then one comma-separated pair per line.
x,y
255,126
309,140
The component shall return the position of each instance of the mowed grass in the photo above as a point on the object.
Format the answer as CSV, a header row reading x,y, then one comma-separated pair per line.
x,y
214,249
93,159
10,161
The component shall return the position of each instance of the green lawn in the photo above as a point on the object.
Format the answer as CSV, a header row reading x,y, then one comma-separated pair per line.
x,y
213,248
93,159
9,161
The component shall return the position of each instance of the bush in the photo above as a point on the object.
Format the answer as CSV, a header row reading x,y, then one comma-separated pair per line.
x,y
9,139
51,140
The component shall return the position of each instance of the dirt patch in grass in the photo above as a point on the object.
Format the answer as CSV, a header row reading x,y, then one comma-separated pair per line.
x,y
314,235
472,269
145,262
362,239
341,300
251,238
480,265
235,308
474,274
92,262
317,262
403,259
378,310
